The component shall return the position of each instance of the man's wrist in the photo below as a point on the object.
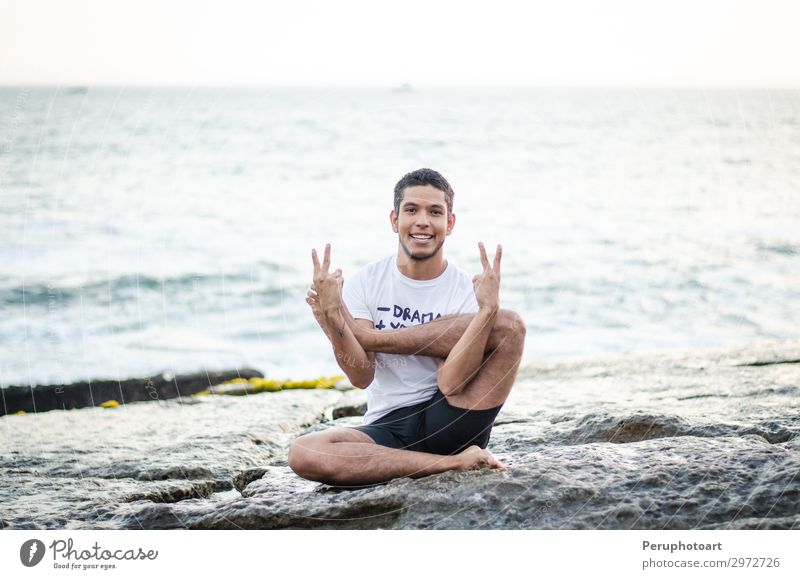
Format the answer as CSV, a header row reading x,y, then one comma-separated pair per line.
x,y
335,321
488,311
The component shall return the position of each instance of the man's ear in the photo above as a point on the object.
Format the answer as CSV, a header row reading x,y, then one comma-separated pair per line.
x,y
393,220
451,222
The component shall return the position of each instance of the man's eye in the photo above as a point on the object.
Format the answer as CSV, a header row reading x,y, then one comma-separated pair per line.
x,y
410,210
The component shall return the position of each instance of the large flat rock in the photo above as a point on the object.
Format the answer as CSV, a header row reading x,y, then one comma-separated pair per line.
x,y
663,441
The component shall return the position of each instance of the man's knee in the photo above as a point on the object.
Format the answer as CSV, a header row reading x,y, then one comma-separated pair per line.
x,y
510,328
305,458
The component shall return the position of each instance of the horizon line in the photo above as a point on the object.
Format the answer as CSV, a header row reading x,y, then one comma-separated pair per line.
x,y
404,86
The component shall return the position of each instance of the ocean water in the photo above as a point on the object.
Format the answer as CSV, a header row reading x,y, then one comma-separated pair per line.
x,y
147,230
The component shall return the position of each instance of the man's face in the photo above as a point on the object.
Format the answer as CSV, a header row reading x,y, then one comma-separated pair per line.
x,y
422,223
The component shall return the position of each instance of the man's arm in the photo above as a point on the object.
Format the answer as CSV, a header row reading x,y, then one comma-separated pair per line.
x,y
435,339
466,357
351,357
461,339
325,300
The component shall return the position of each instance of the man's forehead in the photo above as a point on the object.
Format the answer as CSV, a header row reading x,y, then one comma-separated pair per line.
x,y
424,196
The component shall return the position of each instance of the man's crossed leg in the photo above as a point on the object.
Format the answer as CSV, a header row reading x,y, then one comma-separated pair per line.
x,y
346,456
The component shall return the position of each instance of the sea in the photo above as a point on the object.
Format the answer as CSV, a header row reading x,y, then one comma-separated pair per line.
x,y
146,230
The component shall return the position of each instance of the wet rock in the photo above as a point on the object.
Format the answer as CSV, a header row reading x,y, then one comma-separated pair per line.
x,y
244,478
771,523
87,394
80,468
677,483
769,362
635,428
664,441
353,403
180,492
175,472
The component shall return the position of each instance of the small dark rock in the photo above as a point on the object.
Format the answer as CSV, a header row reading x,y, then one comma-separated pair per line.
x,y
242,479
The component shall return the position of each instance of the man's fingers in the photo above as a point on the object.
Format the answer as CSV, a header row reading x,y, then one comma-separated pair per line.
x,y
315,261
326,262
484,259
497,257
312,294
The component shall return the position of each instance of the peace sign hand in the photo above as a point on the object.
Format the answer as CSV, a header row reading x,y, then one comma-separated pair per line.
x,y
326,290
487,283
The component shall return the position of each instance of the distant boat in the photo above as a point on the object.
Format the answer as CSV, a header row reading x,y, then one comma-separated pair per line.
x,y
405,87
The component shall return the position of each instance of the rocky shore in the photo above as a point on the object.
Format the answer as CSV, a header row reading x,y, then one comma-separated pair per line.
x,y
165,386
705,440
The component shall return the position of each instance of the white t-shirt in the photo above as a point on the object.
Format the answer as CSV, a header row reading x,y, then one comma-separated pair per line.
x,y
390,300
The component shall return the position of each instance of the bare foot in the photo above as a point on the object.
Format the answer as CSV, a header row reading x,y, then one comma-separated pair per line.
x,y
475,457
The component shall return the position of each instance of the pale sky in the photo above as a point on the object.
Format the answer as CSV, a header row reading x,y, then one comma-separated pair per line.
x,y
422,42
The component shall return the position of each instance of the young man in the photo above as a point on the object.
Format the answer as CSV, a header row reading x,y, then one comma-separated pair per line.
x,y
431,345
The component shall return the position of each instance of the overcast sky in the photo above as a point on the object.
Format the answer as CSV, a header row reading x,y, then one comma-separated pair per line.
x,y
350,42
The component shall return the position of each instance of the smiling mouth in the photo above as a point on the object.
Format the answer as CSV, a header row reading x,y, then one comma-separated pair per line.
x,y
421,238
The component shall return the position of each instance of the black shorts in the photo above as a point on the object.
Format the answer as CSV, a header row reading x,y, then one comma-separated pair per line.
x,y
433,426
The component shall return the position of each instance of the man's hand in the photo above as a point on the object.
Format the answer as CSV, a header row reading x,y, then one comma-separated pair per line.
x,y
325,299
325,295
487,284
313,300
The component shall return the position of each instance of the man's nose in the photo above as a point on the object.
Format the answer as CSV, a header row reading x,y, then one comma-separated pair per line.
x,y
422,219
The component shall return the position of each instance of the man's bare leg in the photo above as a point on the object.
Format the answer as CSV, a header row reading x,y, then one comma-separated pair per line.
x,y
492,383
349,457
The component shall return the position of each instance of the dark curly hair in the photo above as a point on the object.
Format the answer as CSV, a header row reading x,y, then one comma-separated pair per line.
x,y
423,177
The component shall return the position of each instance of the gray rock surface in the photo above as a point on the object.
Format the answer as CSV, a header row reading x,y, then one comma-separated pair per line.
x,y
703,440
